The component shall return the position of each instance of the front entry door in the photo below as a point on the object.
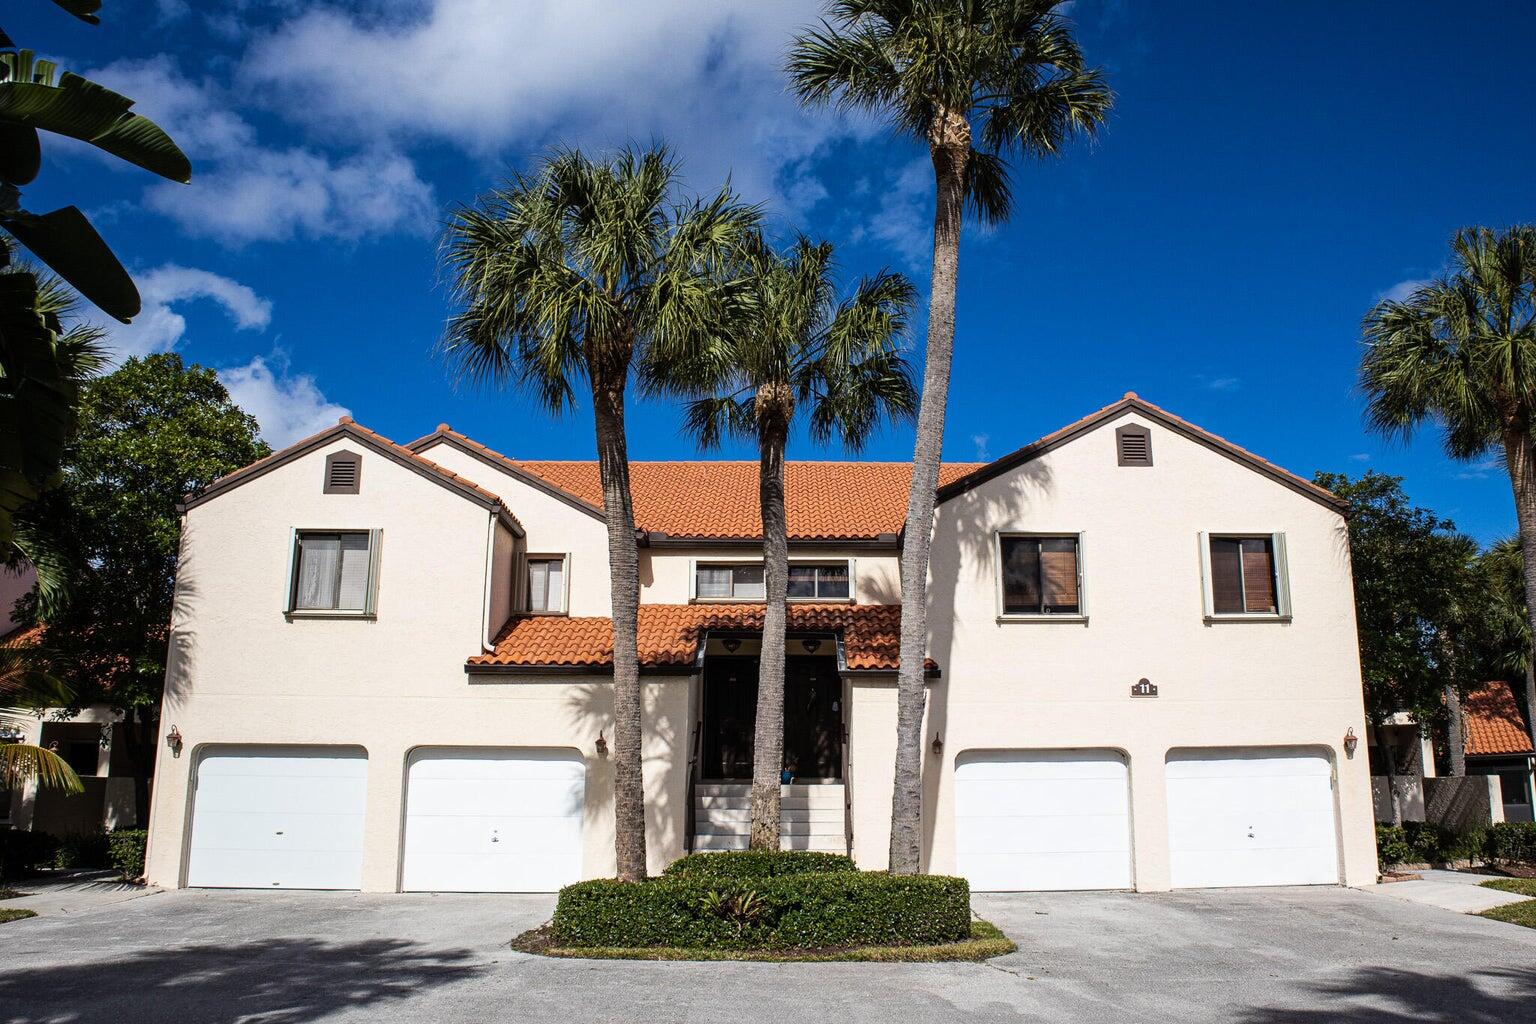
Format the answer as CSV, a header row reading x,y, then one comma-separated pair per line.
x,y
813,727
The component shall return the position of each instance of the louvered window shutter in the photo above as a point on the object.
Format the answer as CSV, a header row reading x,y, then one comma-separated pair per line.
x,y
1133,446
1258,575
1226,576
343,473
1058,573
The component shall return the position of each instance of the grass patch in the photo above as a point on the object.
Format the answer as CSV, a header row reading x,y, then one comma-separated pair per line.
x,y
15,914
10,894
986,942
1520,886
1523,914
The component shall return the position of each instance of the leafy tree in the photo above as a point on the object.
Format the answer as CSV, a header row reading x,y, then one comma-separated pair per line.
x,y
793,347
936,69
1503,634
583,271
151,433
37,399
1411,573
1461,352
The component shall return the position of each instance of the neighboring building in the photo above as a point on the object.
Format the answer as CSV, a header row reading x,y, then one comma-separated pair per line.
x,y
391,667
1499,743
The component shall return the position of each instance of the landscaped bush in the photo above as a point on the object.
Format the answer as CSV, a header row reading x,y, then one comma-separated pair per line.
x,y
757,864
82,851
1392,847
1513,840
126,848
809,910
22,853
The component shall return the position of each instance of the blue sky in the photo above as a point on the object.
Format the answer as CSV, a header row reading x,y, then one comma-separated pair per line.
x,y
1270,170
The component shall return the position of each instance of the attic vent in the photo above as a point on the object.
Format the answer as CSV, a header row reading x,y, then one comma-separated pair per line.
x,y
343,473
1134,445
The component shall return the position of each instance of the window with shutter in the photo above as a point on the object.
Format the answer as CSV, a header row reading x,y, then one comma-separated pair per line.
x,y
831,581
546,584
1133,445
334,571
343,473
1244,576
1040,575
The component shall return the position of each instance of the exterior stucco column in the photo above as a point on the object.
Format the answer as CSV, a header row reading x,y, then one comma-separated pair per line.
x,y
1149,818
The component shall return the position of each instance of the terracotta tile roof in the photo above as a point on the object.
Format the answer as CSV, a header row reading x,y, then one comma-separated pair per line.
x,y
670,635
22,636
718,499
1494,722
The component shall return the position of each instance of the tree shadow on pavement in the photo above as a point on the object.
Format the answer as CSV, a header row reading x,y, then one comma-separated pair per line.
x,y
1386,995
277,981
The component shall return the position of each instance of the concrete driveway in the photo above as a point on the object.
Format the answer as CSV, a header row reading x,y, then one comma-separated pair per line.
x,y
1251,956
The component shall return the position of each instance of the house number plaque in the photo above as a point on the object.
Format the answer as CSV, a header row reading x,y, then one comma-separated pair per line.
x,y
1143,688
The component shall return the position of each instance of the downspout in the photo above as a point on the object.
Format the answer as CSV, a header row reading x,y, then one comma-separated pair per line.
x,y
485,598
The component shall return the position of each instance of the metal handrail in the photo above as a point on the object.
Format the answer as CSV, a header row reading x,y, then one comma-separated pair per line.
x,y
689,822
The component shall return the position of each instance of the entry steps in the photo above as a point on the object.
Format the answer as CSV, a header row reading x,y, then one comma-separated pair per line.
x,y
811,817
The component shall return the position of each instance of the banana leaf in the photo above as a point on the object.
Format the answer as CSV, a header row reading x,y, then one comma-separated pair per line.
x,y
20,154
65,241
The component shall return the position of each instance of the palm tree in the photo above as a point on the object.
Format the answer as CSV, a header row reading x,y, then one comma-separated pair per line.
x,y
1461,351
583,271
793,346
1506,623
25,684
935,69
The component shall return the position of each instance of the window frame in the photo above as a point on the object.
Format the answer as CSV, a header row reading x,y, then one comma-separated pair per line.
x,y
526,597
1280,564
369,610
695,564
1079,617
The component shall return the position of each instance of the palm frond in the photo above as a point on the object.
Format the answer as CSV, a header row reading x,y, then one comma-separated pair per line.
x,y
22,761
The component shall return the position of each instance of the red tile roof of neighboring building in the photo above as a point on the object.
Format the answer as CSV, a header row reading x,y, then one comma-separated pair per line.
x,y
1494,722
719,499
670,635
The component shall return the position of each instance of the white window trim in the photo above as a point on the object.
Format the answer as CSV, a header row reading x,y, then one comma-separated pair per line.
x,y
370,609
565,581
1079,617
695,563
1282,578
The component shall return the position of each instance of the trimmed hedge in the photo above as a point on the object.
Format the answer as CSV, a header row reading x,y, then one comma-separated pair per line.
x,y
82,851
757,864
1513,840
126,847
809,910
1419,842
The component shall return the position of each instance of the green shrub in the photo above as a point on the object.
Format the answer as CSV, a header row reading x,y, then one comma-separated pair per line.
x,y
1513,840
809,910
1421,842
757,864
126,848
22,853
82,851
1392,847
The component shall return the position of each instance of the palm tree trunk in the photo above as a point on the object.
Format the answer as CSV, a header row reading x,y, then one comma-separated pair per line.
x,y
1455,732
1390,757
624,576
949,145
768,737
1530,696
1520,457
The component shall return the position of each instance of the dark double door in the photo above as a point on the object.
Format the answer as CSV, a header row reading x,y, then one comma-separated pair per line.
x,y
813,721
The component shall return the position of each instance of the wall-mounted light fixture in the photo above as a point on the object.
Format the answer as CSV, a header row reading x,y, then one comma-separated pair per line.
x,y
938,745
1351,741
731,644
173,740
810,646
602,744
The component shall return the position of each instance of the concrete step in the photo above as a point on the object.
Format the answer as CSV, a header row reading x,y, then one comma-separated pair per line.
x,y
786,803
786,828
743,815
824,844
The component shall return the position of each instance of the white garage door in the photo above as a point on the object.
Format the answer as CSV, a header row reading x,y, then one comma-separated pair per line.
x,y
1043,820
279,817
497,820
1251,817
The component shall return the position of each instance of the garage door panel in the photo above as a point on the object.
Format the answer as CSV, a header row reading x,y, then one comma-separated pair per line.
x,y
267,869
280,793
225,830
1038,820
493,835
505,797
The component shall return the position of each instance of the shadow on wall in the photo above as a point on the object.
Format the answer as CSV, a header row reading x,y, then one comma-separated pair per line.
x,y
181,651
962,542
1387,995
277,981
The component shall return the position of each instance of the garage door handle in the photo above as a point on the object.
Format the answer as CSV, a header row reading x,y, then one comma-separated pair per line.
x,y
278,832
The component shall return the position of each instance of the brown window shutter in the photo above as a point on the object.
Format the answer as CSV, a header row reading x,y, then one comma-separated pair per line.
x,y
343,473
1258,575
1133,445
1021,575
1058,572
1226,576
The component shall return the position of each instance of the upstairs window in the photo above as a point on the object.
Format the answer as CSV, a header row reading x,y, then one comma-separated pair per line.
x,y
729,582
546,584
334,571
1040,575
828,582
1246,575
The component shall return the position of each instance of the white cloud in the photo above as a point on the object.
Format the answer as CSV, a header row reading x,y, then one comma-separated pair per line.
x,y
1482,470
1219,383
159,327
1360,457
982,452
288,407
485,74
243,191
903,216
1403,290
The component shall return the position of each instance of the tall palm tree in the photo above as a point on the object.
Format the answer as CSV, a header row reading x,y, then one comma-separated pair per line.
x,y
935,69
1461,352
580,272
793,346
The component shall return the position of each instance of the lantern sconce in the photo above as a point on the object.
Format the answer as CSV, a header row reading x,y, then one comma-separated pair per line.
x,y
173,740
938,745
1351,741
731,644
810,645
602,744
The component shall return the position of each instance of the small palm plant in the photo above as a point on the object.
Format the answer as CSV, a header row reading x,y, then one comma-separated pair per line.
x,y
1461,352
24,683
576,274
977,81
792,346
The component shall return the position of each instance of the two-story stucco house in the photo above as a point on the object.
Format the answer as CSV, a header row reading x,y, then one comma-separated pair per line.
x,y
390,667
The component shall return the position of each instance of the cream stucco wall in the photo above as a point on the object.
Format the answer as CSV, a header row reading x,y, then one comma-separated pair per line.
x,y
1032,685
